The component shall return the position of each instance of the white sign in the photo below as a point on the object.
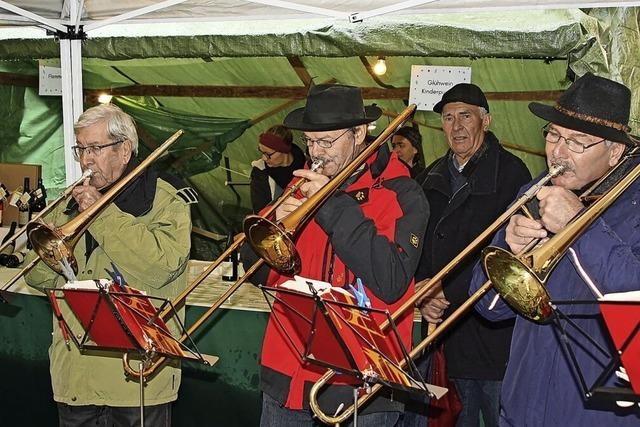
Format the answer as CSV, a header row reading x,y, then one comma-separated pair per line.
x,y
50,81
429,82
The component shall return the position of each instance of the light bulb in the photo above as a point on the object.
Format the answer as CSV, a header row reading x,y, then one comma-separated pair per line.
x,y
104,98
381,66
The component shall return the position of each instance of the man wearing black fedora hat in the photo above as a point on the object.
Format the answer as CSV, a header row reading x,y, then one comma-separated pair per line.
x,y
367,237
587,133
467,189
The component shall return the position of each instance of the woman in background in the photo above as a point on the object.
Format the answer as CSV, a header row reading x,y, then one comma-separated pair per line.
x,y
274,169
407,143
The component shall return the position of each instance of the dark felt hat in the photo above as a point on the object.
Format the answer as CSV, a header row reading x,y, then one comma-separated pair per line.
x,y
463,92
332,107
593,105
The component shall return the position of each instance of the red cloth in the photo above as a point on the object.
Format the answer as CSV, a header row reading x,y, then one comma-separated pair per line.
x,y
275,142
443,412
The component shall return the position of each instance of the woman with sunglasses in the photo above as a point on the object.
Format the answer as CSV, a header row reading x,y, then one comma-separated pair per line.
x,y
274,169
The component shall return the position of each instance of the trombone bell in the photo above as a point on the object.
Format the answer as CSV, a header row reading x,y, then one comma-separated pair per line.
x,y
50,245
273,244
518,284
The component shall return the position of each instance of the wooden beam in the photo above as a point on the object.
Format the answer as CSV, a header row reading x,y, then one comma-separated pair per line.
x,y
12,79
296,92
300,69
208,234
284,92
145,138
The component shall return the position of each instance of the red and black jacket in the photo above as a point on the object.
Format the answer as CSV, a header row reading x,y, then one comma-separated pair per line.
x,y
372,230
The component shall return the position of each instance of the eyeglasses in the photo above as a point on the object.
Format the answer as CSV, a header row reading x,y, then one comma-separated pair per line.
x,y
79,151
553,137
267,155
322,142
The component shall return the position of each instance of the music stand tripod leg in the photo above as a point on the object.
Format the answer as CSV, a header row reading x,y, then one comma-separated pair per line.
x,y
141,366
355,407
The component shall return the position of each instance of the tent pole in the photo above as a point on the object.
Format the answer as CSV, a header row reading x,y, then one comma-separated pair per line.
x,y
72,101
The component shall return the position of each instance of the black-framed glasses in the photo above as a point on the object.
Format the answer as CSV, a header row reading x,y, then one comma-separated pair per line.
x,y
79,151
322,142
265,154
553,137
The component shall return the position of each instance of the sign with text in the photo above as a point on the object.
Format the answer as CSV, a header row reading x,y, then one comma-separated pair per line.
x,y
429,82
50,81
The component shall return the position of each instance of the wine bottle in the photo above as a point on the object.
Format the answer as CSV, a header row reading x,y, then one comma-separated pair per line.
x,y
15,259
38,198
3,199
24,211
233,259
4,255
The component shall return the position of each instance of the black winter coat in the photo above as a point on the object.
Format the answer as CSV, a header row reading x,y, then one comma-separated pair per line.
x,y
474,347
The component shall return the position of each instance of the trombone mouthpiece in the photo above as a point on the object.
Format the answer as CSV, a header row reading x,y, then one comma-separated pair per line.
x,y
557,169
86,174
317,164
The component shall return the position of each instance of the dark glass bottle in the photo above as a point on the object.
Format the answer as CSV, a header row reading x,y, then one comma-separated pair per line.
x,y
15,259
24,210
38,198
233,259
4,254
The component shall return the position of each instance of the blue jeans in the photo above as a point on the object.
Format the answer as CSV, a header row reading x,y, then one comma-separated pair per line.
x,y
111,416
275,415
478,396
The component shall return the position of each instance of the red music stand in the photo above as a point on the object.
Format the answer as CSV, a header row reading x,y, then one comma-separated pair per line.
x,y
340,335
120,318
621,314
622,318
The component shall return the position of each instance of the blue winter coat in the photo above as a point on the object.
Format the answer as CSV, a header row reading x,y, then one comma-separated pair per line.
x,y
540,388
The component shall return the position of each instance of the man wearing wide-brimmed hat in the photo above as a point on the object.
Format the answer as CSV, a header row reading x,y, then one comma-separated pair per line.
x,y
588,133
367,237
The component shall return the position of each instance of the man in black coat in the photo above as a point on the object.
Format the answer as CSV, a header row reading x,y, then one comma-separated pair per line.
x,y
467,188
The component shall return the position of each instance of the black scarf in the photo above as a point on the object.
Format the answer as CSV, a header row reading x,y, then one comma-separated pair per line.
x,y
136,199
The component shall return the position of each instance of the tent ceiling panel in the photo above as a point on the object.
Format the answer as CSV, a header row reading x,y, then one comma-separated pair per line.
x,y
541,33
226,10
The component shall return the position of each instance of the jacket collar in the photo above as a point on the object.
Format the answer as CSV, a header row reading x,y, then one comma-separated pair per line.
x,y
482,176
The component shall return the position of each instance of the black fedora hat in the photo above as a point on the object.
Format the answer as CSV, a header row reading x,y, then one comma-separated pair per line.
x,y
593,105
463,92
332,107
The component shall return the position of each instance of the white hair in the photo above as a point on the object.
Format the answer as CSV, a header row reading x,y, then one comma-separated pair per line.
x,y
120,125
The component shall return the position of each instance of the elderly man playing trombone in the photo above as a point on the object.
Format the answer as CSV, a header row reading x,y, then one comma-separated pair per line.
x,y
368,235
587,134
145,233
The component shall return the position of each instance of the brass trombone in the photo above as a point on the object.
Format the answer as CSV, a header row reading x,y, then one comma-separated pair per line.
x,y
153,366
427,285
256,233
273,242
519,204
54,245
520,279
67,191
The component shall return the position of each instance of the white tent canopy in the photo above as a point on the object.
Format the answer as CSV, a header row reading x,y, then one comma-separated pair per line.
x,y
93,14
